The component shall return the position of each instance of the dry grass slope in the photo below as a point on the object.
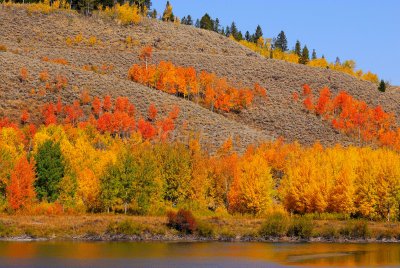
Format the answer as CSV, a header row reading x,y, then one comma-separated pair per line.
x,y
36,36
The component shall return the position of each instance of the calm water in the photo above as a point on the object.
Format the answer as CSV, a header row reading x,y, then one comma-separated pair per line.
x,y
152,254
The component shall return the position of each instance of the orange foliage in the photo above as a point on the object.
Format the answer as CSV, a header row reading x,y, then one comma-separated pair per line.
x,y
212,91
25,116
152,113
23,75
20,191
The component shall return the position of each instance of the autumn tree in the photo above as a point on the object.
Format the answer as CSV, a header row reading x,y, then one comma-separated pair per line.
x,y
146,54
20,190
168,15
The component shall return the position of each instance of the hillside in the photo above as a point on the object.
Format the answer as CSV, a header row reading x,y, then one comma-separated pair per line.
x,y
37,35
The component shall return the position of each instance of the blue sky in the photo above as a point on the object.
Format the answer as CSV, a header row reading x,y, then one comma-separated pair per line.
x,y
366,31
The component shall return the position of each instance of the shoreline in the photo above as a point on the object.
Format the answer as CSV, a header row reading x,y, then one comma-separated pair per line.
x,y
197,239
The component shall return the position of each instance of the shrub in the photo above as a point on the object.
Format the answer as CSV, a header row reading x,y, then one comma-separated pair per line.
x,y
329,232
277,225
44,76
301,227
205,230
355,229
183,221
23,75
125,227
3,48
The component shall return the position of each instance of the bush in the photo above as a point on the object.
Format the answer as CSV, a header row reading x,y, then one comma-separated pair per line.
x,y
329,232
276,225
355,229
182,221
125,227
3,48
301,227
205,230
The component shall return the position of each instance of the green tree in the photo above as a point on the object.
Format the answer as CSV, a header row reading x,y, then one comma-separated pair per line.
x,y
234,30
382,86
305,56
281,42
50,171
247,36
257,34
314,55
206,22
175,167
216,25
297,48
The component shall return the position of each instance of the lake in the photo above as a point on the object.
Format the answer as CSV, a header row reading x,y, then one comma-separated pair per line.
x,y
196,254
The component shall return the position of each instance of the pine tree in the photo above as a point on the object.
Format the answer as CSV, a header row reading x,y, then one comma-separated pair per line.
x,y
247,36
189,20
227,31
239,36
257,34
197,24
297,48
382,86
337,61
50,171
305,56
206,22
281,41
234,30
153,14
216,25
314,55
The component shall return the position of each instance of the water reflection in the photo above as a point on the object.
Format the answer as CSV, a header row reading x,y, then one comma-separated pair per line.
x,y
157,254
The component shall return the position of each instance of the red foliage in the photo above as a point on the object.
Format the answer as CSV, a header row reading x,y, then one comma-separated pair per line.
x,y
96,106
48,113
182,221
146,129
25,117
107,103
152,112
306,90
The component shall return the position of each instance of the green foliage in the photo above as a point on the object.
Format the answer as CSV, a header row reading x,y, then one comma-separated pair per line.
x,y
355,229
301,227
125,227
305,56
297,48
258,33
276,225
382,86
206,22
281,42
50,171
205,229
175,165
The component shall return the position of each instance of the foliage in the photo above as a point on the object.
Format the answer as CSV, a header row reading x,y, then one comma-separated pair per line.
x,y
275,225
183,221
50,170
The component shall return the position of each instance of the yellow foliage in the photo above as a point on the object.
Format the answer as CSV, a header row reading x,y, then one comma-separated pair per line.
x,y
127,14
321,63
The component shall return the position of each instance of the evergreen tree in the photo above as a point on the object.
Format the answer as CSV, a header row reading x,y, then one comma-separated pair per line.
x,y
337,61
184,21
239,36
305,56
257,34
153,14
314,55
281,42
247,36
206,22
216,25
297,48
227,31
197,24
382,86
50,171
323,56
234,30
189,20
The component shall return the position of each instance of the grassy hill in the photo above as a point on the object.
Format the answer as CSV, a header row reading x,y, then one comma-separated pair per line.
x,y
36,36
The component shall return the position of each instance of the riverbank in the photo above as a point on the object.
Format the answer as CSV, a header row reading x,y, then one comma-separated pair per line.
x,y
101,227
